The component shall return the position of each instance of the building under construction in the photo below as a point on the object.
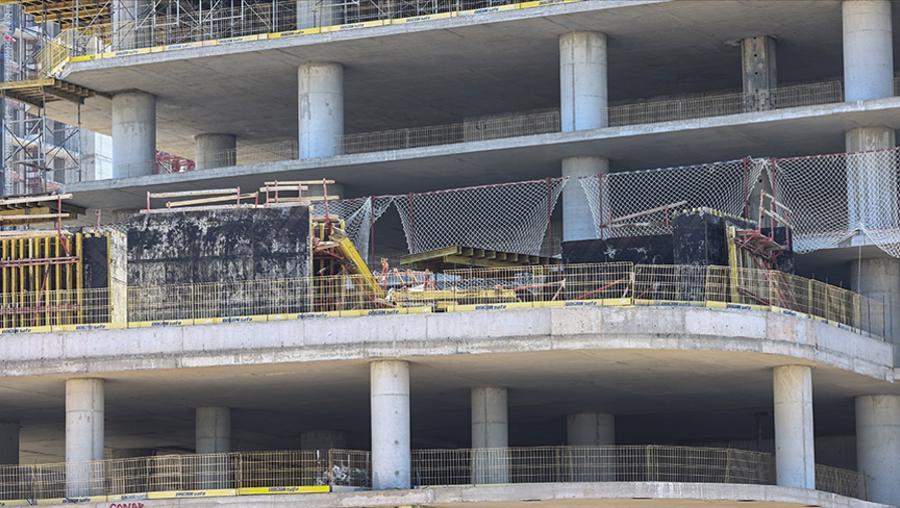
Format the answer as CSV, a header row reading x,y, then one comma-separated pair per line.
x,y
389,253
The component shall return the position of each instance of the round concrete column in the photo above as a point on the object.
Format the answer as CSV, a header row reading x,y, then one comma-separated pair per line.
x,y
215,150
870,178
317,13
795,460
321,109
490,435
878,446
84,433
582,81
133,134
9,442
868,49
391,455
131,24
213,430
578,221
594,459
879,280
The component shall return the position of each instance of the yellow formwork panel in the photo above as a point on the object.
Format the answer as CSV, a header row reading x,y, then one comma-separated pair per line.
x,y
181,494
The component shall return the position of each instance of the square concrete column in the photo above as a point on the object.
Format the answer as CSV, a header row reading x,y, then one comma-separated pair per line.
x,y
391,454
84,436
9,442
320,92
578,219
131,22
878,446
318,13
868,49
795,461
133,134
760,72
212,443
490,435
582,81
215,150
592,437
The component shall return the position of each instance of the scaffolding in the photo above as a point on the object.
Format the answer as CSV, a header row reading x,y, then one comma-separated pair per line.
x,y
38,153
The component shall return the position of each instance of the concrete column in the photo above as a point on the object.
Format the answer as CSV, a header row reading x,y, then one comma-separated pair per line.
x,y
490,435
878,446
133,134
84,435
318,13
759,71
215,150
9,442
578,221
131,24
591,429
795,461
871,176
868,49
213,430
391,455
879,280
321,109
323,440
582,81
593,435
213,436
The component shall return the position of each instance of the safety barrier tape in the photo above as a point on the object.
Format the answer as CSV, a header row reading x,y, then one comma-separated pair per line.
x,y
127,500
325,29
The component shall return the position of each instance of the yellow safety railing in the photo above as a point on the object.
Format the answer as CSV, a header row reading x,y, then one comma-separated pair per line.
x,y
508,288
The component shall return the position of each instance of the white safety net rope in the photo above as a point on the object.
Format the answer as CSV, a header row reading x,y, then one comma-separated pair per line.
x,y
509,217
834,197
359,215
638,203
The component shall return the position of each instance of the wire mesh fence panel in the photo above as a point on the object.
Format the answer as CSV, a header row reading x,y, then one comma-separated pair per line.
x,y
281,468
639,203
349,468
839,481
627,463
509,217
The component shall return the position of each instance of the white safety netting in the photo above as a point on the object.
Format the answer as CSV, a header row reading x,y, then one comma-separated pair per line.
x,y
638,203
506,217
834,197
358,214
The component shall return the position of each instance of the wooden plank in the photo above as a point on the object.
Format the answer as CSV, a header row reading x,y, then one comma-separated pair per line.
x,y
217,199
300,182
33,199
429,255
36,216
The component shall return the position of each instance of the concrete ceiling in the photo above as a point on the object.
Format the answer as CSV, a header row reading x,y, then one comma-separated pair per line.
x,y
443,71
720,391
